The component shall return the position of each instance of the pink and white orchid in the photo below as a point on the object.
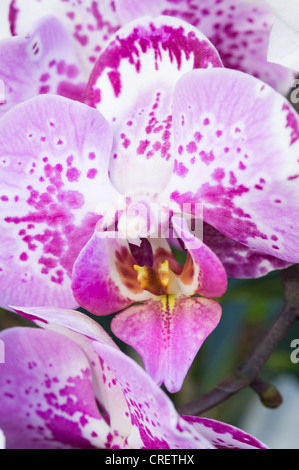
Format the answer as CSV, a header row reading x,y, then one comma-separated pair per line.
x,y
64,219
55,49
239,29
284,37
167,144
40,63
96,397
56,53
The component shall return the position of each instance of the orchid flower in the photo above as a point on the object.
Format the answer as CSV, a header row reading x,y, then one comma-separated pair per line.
x,y
50,55
96,397
60,221
284,37
39,63
239,29
57,55
164,145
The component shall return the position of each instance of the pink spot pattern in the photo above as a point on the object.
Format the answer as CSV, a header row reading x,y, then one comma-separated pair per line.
x,y
89,23
49,215
143,124
237,28
237,172
45,59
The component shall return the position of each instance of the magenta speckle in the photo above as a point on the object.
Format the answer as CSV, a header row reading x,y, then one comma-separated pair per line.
x,y
197,137
92,173
207,157
218,174
73,174
180,169
142,146
191,147
44,77
44,89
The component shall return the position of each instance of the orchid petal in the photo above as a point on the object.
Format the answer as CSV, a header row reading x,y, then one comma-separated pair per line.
x,y
4,21
209,276
54,155
104,279
284,45
89,23
239,29
167,333
139,109
152,412
39,63
222,435
47,402
239,158
238,260
287,11
84,331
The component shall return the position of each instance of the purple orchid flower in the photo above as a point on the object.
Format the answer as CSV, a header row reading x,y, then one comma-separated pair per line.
x,y
97,397
170,143
58,222
238,29
56,54
41,62
89,23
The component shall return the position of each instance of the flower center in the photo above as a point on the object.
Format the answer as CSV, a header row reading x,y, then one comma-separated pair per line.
x,y
155,281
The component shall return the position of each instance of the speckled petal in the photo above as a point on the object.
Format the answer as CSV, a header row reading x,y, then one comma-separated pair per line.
x,y
139,109
89,23
47,402
239,29
238,260
222,435
84,331
53,157
40,62
104,279
167,333
156,424
209,276
238,156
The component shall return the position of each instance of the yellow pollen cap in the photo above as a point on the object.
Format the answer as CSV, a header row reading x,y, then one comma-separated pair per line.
x,y
163,272
142,275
